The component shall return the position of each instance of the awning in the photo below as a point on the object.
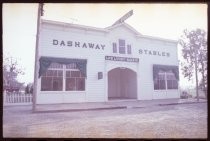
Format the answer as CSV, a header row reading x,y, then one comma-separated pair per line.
x,y
165,68
45,63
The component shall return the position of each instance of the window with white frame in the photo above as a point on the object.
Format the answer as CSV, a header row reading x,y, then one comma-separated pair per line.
x,y
52,80
121,46
165,80
171,81
75,80
63,78
159,83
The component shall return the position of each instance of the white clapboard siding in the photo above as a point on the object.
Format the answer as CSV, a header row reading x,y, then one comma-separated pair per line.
x,y
96,90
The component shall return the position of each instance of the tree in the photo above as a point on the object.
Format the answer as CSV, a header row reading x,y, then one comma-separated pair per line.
x,y
31,89
194,52
10,72
27,89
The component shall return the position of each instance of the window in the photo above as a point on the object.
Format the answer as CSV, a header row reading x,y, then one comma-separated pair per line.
x,y
171,81
52,80
159,83
121,46
75,81
129,49
165,79
59,75
114,45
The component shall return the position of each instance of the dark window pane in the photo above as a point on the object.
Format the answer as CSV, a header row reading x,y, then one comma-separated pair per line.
x,y
51,82
70,84
68,74
162,84
60,73
54,73
171,81
121,46
57,84
75,73
122,50
172,84
159,82
80,84
169,84
46,83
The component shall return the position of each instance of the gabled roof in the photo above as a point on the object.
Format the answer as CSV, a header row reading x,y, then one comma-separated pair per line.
x,y
125,25
107,29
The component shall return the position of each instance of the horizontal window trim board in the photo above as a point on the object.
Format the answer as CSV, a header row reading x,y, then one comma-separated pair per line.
x,y
166,90
61,92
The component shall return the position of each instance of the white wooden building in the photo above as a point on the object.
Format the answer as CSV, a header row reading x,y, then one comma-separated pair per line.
x,y
86,64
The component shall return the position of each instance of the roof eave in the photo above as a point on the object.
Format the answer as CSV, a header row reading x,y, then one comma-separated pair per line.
x,y
74,25
158,38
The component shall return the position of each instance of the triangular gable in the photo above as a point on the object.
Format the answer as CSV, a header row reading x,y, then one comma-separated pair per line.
x,y
124,25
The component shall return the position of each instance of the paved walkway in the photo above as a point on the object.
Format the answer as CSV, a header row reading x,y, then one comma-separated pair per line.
x,y
115,104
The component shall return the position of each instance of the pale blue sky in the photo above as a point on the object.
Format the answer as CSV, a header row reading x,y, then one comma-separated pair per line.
x,y
159,20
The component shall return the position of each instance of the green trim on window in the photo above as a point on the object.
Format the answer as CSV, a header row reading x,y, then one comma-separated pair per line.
x,y
165,68
45,63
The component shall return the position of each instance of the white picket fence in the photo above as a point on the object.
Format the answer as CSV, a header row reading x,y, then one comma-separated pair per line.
x,y
17,99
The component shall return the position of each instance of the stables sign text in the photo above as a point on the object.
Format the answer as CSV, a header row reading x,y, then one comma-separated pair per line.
x,y
78,44
153,52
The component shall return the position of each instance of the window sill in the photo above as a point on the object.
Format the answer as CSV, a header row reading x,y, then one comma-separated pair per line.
x,y
166,90
64,92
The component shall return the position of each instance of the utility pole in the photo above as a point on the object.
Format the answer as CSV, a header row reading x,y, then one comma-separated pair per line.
x,y
196,73
36,66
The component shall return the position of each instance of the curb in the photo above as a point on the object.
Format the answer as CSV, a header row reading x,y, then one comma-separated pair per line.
x,y
111,108
76,110
182,103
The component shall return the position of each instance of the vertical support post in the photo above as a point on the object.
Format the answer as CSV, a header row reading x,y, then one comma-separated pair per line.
x,y
36,57
196,74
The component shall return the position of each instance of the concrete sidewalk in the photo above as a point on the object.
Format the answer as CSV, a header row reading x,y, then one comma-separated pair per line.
x,y
115,104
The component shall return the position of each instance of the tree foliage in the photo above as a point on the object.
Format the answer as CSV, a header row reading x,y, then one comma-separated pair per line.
x,y
11,70
194,45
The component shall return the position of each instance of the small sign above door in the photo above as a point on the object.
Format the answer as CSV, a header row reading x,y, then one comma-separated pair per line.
x,y
124,59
